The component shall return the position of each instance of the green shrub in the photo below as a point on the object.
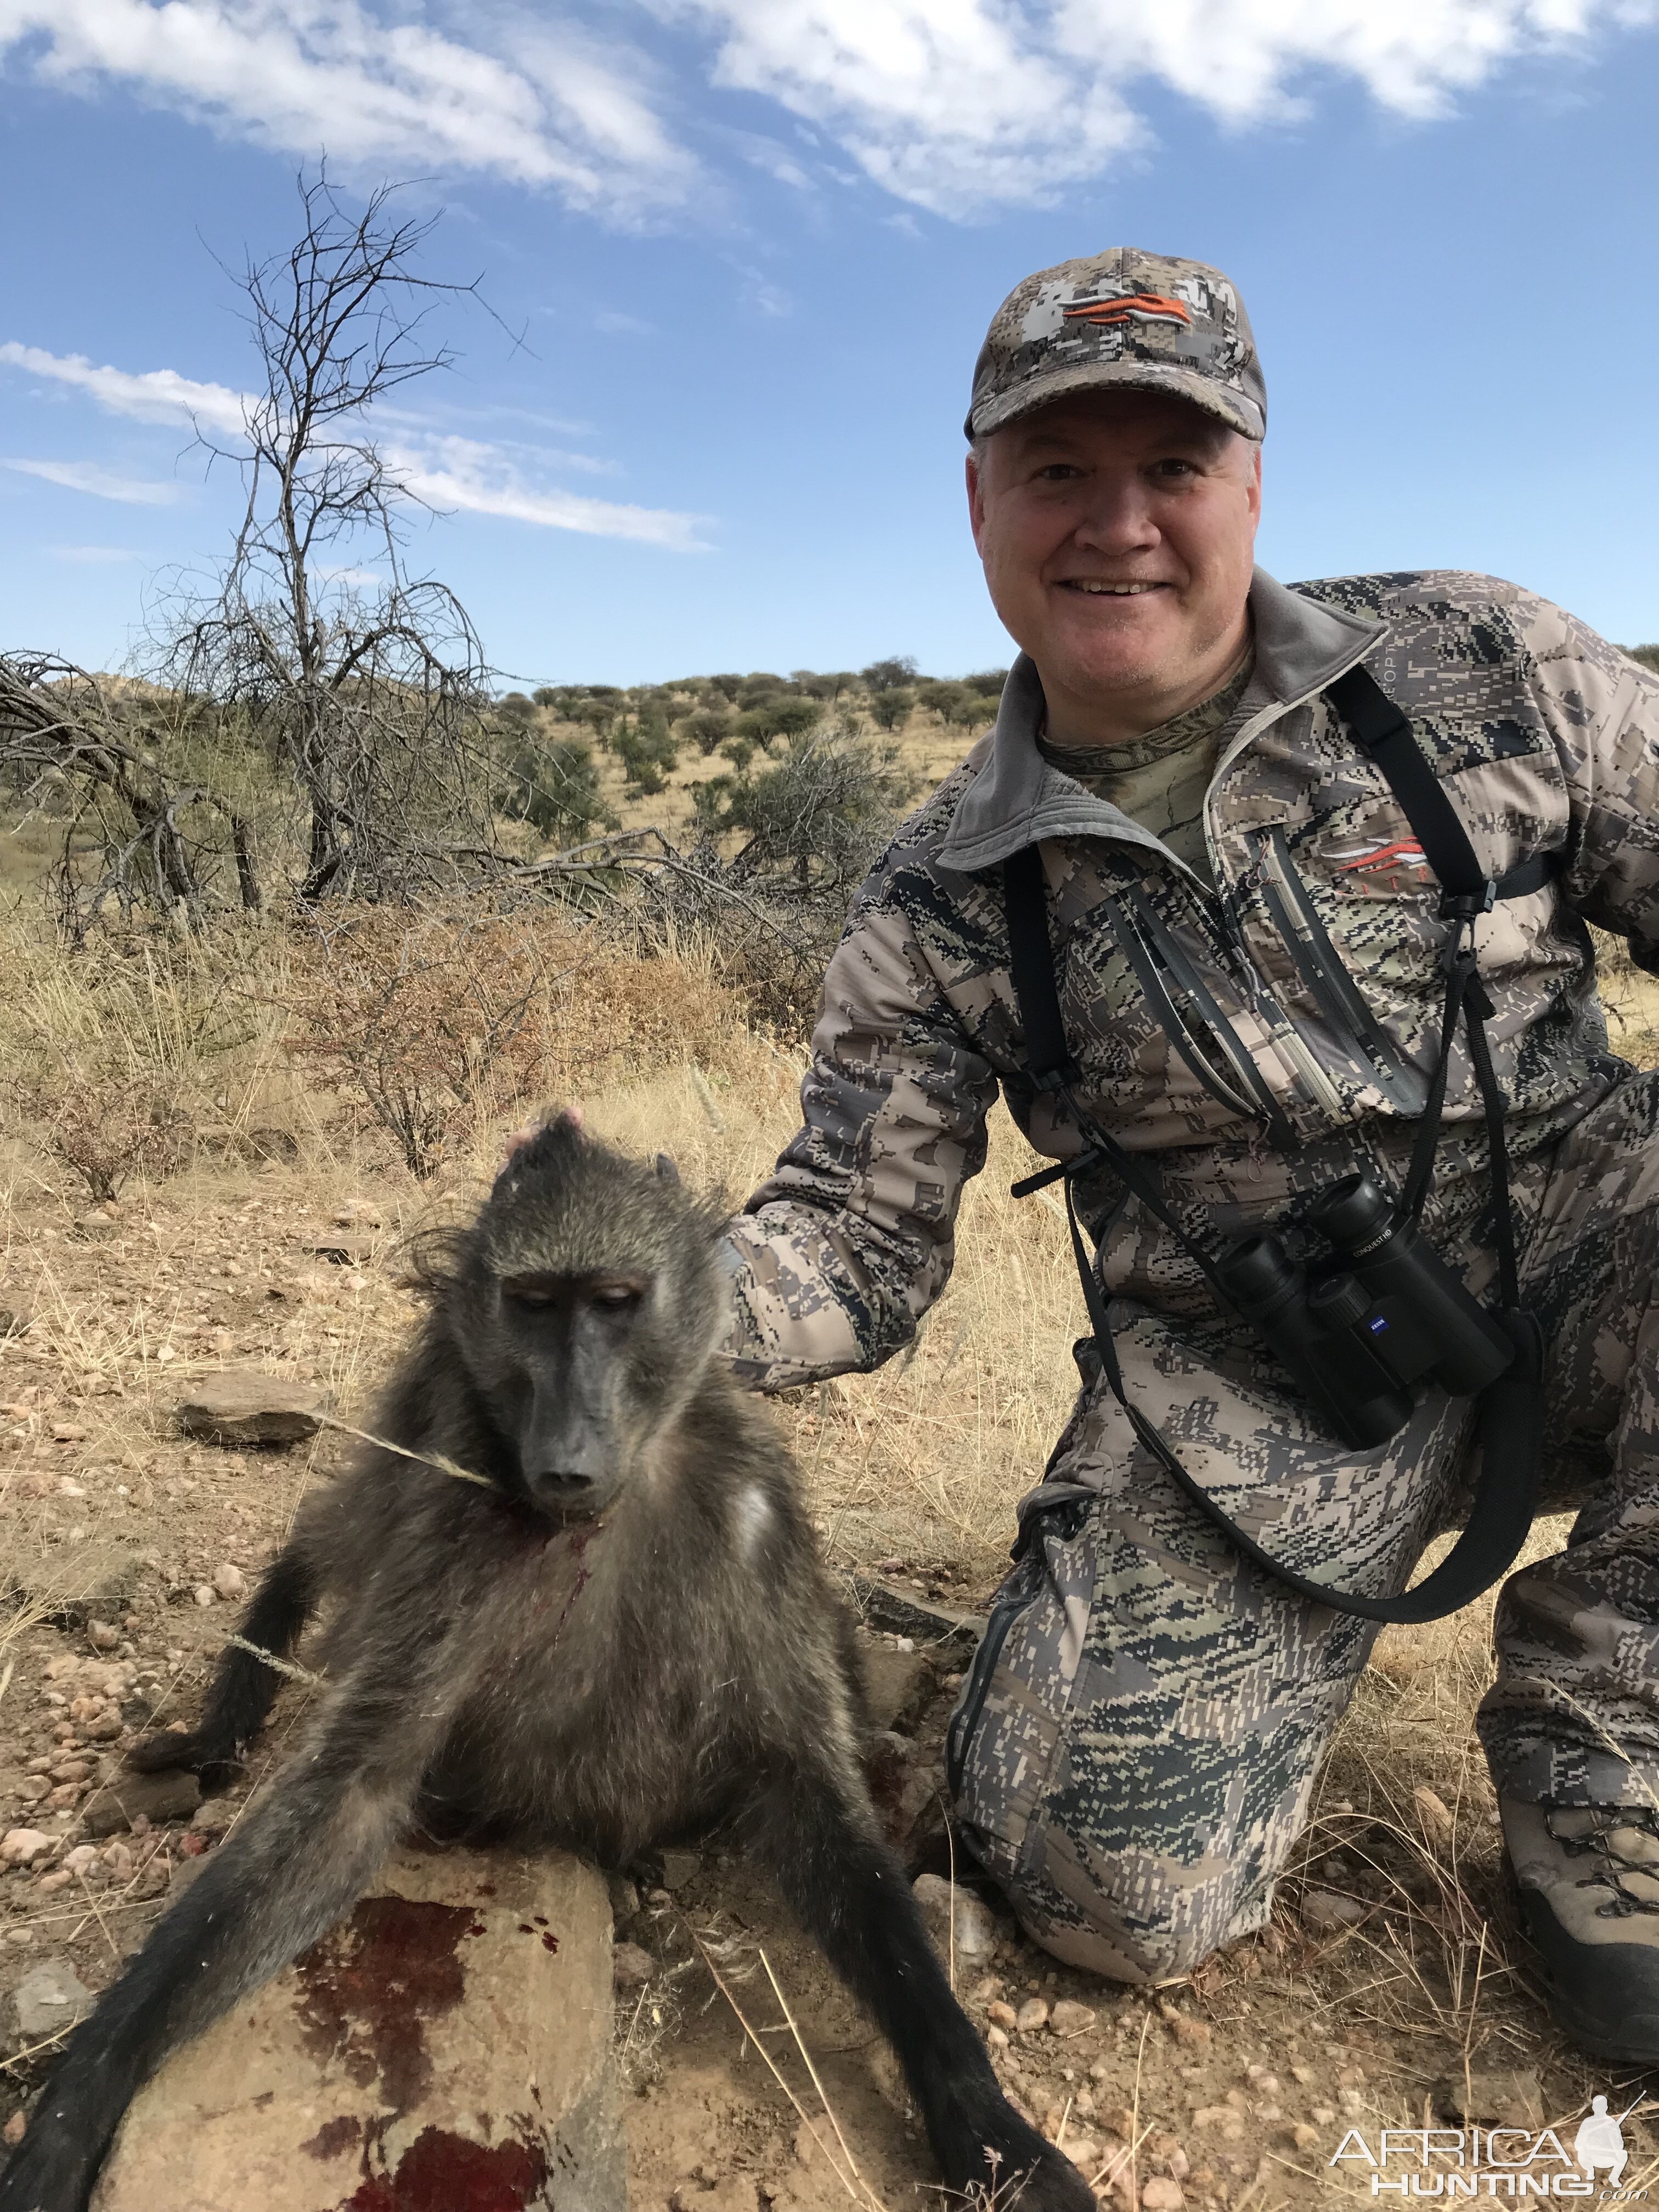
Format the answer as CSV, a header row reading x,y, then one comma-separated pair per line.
x,y
556,788
891,708
887,675
706,727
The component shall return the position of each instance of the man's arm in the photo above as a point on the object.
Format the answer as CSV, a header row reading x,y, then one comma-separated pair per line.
x,y
1603,710
836,1258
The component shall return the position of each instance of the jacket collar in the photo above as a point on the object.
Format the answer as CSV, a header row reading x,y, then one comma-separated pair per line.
x,y
1017,797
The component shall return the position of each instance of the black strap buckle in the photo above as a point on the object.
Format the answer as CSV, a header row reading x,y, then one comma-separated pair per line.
x,y
1464,906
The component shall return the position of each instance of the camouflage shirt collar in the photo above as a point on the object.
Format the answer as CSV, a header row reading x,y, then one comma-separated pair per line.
x,y
1017,797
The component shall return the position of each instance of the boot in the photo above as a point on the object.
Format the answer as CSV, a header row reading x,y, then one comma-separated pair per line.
x,y
1588,1877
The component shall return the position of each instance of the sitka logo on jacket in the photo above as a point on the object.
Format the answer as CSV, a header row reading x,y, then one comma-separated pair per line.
x,y
1378,867
1148,306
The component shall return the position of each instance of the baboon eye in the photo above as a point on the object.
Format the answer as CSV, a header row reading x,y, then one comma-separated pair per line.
x,y
616,1297
535,1300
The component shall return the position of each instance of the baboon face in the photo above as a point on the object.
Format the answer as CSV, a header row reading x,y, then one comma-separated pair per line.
x,y
586,1307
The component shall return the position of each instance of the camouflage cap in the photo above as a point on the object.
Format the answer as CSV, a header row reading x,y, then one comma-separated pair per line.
x,y
1114,320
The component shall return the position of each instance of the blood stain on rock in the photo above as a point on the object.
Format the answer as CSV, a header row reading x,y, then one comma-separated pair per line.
x,y
443,2172
549,1942
333,2136
371,1986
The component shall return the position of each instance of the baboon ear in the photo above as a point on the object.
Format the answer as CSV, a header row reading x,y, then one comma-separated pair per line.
x,y
666,1170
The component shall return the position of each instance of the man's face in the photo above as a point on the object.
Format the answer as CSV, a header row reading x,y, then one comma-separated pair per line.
x,y
1117,532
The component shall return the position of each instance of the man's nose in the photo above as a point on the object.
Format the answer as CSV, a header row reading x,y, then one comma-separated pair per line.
x,y
1117,520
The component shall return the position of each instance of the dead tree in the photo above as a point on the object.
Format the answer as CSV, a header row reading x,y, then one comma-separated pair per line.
x,y
96,763
365,682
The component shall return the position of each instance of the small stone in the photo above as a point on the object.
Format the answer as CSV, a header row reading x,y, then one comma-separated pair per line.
x,y
60,1878
68,1432
1001,2016
215,1816
996,2036
1326,1913
22,1846
83,1856
14,2129
679,1868
1512,2096
229,1582
101,1636
1434,1818
1033,2016
1084,2153
68,1487
33,1789
156,1797
51,1997
1304,2137
631,1966
118,1859
956,1915
204,1595
1070,2019
1325,2114
1161,2192
1191,2034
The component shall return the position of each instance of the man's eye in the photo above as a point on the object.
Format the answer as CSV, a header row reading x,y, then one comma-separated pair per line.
x,y
1175,468
1059,472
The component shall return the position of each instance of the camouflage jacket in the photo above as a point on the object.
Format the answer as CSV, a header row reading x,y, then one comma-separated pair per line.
x,y
1259,1040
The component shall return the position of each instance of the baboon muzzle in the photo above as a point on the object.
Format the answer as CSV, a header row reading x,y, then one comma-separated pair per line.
x,y
568,1460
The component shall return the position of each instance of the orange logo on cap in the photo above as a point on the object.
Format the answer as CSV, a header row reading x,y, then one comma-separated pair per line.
x,y
1157,306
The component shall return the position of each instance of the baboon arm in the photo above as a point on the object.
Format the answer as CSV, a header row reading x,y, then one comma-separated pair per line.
x,y
243,1686
300,1856
850,1892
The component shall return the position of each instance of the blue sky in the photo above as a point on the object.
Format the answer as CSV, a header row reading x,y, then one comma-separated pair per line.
x,y
753,245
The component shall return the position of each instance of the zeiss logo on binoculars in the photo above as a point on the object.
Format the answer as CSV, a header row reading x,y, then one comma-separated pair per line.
x,y
1510,2163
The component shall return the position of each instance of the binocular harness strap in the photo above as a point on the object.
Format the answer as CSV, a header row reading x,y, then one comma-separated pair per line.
x,y
1509,1423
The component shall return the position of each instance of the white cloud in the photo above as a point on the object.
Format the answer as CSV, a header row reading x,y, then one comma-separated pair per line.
x,y
465,474
480,479
102,484
949,105
957,105
539,104
155,395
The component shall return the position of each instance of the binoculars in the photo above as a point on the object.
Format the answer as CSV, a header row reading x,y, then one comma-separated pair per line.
x,y
1356,1331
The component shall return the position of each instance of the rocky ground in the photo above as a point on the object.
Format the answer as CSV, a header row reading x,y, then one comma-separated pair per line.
x,y
1390,1987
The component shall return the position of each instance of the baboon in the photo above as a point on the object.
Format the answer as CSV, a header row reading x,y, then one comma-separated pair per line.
x,y
627,1636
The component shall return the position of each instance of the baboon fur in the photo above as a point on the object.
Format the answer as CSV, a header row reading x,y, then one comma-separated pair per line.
x,y
629,1636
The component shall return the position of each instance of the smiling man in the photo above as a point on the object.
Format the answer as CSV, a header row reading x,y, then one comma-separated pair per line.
x,y
1203,908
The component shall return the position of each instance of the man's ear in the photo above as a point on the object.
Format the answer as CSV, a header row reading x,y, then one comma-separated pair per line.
x,y
975,501
1253,496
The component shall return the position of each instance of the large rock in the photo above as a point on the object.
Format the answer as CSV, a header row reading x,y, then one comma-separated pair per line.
x,y
240,1406
448,2045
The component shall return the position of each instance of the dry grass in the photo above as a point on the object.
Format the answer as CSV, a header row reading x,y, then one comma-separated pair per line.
x,y
924,1460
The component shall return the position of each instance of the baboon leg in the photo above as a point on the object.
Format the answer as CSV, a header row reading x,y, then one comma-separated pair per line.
x,y
299,1858
850,1892
244,1687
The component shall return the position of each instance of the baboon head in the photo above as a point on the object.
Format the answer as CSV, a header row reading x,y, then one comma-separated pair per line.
x,y
585,1301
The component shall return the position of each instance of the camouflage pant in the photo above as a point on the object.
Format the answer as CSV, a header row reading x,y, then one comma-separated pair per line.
x,y
1135,1748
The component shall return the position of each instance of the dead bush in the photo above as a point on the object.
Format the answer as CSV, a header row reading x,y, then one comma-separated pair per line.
x,y
440,1018
105,1129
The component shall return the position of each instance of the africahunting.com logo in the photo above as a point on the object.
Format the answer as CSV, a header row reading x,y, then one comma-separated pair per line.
x,y
1514,2162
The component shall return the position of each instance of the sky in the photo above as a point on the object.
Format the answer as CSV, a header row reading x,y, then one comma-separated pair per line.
x,y
738,256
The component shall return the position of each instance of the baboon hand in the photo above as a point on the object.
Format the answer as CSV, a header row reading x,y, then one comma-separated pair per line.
x,y
210,1758
50,2171
1002,2163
